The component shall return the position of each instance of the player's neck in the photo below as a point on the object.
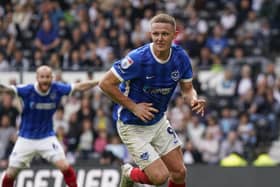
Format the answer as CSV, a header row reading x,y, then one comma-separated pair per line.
x,y
163,56
40,91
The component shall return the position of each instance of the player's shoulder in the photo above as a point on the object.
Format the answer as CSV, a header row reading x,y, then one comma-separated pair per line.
x,y
26,86
139,53
179,50
23,89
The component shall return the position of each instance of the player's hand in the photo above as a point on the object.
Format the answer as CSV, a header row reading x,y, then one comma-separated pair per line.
x,y
145,111
198,106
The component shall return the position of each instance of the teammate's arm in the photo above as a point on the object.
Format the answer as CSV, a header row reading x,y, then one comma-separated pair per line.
x,y
190,96
109,84
85,85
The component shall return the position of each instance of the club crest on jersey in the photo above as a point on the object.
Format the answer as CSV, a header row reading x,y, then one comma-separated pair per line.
x,y
126,63
53,96
175,75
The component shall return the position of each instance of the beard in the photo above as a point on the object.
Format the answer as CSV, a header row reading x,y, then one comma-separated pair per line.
x,y
44,87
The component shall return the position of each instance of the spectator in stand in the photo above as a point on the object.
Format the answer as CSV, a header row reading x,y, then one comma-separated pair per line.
x,y
191,154
213,127
226,86
195,129
227,121
47,39
4,65
245,84
59,121
242,11
22,17
65,53
205,59
101,121
217,43
86,111
231,145
251,27
7,108
76,62
228,18
195,25
54,61
101,141
103,49
177,115
73,137
37,59
86,140
19,62
117,148
94,61
138,37
246,130
7,134
86,33
208,146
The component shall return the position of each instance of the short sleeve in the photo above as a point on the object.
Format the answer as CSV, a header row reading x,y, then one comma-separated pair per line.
x,y
187,73
127,68
64,89
22,90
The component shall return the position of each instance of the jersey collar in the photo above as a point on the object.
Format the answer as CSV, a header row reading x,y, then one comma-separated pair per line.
x,y
36,86
157,59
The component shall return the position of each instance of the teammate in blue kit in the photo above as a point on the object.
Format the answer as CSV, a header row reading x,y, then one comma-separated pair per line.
x,y
147,77
36,134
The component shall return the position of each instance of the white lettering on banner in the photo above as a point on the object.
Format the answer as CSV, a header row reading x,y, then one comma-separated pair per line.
x,y
80,177
110,178
57,175
39,181
25,175
54,178
91,179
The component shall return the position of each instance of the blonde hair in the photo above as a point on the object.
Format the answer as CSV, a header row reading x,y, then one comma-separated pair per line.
x,y
164,18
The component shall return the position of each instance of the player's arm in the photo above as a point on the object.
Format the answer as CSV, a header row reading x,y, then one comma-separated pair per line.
x,y
109,85
85,85
190,96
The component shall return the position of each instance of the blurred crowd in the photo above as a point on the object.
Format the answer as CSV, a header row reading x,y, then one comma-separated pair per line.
x,y
235,41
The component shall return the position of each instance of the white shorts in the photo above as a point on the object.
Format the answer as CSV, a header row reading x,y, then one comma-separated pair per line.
x,y
25,149
148,143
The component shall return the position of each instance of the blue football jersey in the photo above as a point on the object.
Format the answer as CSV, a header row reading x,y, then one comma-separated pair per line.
x,y
38,109
145,78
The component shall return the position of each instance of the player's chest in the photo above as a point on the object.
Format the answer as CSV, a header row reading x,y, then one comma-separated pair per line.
x,y
38,102
161,75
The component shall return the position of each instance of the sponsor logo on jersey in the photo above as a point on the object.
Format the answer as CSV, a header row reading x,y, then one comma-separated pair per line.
x,y
162,91
42,106
53,96
150,77
175,75
126,62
